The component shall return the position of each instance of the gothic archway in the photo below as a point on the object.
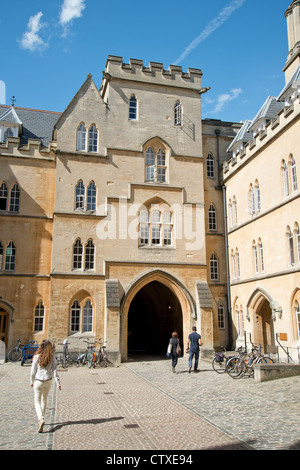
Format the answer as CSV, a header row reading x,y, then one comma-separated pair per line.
x,y
155,305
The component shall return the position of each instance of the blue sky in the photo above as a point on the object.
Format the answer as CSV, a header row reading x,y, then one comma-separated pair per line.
x,y
49,48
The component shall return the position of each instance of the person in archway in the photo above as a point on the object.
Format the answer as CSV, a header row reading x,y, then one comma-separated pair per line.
x,y
176,350
193,344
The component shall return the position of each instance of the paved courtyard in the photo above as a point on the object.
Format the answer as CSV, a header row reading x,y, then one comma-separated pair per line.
x,y
142,405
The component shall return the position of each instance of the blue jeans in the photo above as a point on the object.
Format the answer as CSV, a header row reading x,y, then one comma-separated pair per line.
x,y
192,354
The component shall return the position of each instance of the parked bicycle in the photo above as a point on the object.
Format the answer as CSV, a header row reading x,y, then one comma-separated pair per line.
x,y
219,361
15,354
66,358
244,363
102,358
88,356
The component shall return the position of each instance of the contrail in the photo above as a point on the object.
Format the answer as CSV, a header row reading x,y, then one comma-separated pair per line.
x,y
223,16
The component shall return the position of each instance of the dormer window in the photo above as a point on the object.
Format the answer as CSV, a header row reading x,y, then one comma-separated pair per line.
x,y
10,125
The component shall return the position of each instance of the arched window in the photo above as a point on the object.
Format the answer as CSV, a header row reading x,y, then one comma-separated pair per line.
x,y
133,108
150,164
87,320
293,174
214,268
255,255
80,196
14,203
81,138
89,255
81,319
91,197
156,168
261,255
291,246
161,166
75,317
93,139
285,175
77,254
221,317
298,318
298,241
3,197
10,257
39,313
212,218
177,114
210,166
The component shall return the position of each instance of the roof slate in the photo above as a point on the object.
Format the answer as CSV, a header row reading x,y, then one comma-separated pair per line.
x,y
37,124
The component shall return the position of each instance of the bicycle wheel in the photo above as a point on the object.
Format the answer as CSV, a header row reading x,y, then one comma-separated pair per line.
x,y
14,355
219,366
236,367
266,360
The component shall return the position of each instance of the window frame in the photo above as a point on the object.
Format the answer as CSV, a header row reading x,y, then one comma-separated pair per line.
x,y
39,317
178,114
132,108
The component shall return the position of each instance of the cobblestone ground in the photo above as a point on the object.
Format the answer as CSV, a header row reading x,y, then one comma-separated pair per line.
x,y
144,406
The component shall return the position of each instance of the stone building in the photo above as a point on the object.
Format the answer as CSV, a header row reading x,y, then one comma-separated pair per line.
x,y
263,207
118,232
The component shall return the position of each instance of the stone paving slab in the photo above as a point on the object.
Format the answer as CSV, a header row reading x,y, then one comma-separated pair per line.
x,y
143,406
264,415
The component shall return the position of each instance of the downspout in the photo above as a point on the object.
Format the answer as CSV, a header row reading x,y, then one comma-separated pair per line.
x,y
229,312
218,132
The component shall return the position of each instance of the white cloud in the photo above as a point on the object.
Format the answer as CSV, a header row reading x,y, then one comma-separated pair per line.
x,y
71,9
224,99
223,16
31,40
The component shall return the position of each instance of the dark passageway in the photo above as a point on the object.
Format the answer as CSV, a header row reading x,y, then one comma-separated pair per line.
x,y
154,314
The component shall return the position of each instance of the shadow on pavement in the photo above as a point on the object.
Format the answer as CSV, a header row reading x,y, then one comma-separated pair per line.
x,y
58,426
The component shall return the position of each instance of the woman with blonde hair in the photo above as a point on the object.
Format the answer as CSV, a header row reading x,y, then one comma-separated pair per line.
x,y
42,370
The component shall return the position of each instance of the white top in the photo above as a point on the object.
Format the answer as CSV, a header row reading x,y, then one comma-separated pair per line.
x,y
43,373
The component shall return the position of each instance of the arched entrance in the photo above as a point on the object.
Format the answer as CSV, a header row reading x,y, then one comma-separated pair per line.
x,y
154,313
152,307
263,331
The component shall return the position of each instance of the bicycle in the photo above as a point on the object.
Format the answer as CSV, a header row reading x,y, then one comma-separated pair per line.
x,y
15,354
220,361
88,355
102,359
240,365
66,358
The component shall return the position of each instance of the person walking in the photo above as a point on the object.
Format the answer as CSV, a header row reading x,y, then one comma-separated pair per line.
x,y
42,370
193,344
176,350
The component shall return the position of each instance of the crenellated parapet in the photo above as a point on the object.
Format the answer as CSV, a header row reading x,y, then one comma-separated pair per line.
x,y
33,148
153,73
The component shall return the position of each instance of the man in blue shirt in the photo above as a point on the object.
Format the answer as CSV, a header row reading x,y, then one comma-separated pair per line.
x,y
193,344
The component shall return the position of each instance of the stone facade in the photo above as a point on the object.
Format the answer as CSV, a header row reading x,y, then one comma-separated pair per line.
x,y
125,236
262,189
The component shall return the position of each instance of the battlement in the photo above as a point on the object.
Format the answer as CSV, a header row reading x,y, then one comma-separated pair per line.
x,y
263,137
154,73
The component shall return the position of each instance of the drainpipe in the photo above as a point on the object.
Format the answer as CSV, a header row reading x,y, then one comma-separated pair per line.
x,y
218,132
229,313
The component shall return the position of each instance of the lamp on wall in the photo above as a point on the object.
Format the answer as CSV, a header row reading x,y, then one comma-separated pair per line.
x,y
274,306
